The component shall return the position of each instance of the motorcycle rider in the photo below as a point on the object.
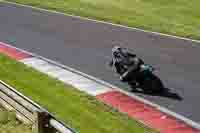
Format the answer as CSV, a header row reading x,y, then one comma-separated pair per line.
x,y
125,63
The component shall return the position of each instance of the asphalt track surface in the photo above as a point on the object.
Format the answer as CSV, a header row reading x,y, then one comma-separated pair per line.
x,y
86,46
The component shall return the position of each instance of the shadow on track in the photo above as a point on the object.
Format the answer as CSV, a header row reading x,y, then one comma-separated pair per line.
x,y
168,93
148,88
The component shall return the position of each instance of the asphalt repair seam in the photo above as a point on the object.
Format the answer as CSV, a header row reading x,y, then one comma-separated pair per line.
x,y
133,106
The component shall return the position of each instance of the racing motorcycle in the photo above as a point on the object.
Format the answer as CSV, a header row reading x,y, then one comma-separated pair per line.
x,y
146,80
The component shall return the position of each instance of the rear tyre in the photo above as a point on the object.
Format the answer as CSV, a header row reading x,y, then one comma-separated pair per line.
x,y
153,85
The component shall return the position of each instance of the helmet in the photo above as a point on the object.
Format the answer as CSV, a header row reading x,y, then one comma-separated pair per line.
x,y
116,51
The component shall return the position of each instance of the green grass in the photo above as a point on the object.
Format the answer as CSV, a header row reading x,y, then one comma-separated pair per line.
x,y
75,108
9,123
176,17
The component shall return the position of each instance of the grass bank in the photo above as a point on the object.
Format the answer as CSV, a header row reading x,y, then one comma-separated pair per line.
x,y
82,112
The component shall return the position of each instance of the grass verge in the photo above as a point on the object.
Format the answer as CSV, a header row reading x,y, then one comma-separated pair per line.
x,y
177,17
9,123
75,108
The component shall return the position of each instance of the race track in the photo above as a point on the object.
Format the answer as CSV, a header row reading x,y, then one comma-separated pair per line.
x,y
86,46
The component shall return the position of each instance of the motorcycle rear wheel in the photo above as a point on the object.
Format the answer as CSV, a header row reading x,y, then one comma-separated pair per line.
x,y
153,84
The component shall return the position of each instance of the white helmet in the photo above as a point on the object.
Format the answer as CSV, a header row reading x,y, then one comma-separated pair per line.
x,y
116,50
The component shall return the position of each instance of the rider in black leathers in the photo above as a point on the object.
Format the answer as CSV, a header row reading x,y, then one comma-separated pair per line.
x,y
125,63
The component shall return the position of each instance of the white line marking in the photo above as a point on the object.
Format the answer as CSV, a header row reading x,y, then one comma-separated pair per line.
x,y
78,81
32,61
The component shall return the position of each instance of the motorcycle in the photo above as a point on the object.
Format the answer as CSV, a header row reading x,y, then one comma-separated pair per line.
x,y
146,80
